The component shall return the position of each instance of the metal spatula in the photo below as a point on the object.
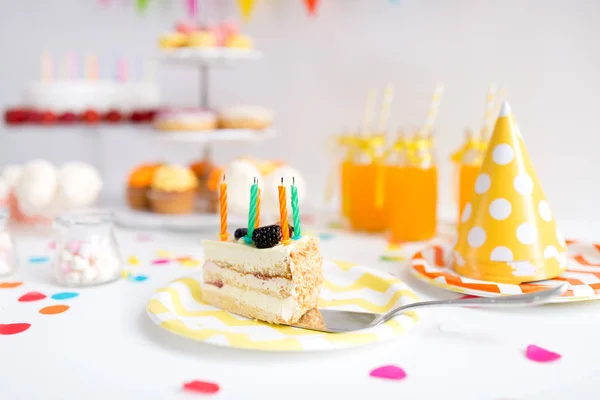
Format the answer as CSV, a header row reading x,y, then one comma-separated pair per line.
x,y
337,321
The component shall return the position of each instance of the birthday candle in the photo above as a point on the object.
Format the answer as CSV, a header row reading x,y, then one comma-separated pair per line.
x,y
223,210
285,230
252,211
46,67
257,221
71,66
295,211
122,69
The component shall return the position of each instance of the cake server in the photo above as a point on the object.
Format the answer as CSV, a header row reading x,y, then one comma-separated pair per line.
x,y
339,321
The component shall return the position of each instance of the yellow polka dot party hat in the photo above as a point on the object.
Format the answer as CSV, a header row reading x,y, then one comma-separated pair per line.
x,y
507,232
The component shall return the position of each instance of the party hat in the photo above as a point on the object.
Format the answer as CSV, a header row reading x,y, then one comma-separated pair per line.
x,y
507,231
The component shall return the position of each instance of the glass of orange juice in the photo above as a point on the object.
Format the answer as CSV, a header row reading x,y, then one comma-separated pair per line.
x,y
468,166
412,194
366,190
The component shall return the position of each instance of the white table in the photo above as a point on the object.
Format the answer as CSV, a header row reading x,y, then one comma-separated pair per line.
x,y
105,347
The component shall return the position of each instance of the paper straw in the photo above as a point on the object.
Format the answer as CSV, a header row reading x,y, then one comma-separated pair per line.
x,y
369,111
433,108
490,109
386,105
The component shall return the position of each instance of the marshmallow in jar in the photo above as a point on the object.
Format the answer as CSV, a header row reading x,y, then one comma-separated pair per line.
x,y
8,260
86,249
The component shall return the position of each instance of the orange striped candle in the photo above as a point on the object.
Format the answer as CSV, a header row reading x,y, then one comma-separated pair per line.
x,y
257,221
223,210
285,230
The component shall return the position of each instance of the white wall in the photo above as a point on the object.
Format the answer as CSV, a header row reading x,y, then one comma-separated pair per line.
x,y
316,72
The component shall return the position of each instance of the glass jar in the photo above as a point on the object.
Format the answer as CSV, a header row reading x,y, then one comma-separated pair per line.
x,y
8,256
86,250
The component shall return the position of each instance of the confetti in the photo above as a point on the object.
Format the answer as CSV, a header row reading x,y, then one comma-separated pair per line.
x,y
164,254
201,387
125,274
13,329
10,285
538,354
392,258
184,258
64,295
51,310
32,296
138,278
391,372
143,237
325,236
161,261
190,263
39,260
52,245
468,296
307,219
133,260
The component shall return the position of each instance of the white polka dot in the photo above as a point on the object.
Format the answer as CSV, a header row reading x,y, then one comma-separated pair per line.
x,y
500,209
503,154
476,237
523,184
482,184
560,238
550,251
501,253
523,268
458,259
466,214
527,233
562,259
544,209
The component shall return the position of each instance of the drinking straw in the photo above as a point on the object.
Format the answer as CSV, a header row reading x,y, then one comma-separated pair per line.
x,y
433,109
386,105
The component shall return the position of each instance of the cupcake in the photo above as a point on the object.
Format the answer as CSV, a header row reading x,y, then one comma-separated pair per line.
x,y
202,39
172,40
173,190
237,41
138,186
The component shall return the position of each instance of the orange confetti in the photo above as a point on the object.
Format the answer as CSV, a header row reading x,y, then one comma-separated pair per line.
x,y
9,285
51,310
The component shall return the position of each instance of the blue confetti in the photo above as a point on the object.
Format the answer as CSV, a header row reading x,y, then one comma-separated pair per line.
x,y
325,236
39,260
64,295
139,278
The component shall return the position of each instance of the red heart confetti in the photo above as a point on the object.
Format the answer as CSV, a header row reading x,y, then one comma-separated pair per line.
x,y
13,329
201,387
538,354
9,285
32,296
391,372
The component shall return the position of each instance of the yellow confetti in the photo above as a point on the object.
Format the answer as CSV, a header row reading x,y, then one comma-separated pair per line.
x,y
164,254
125,274
133,260
190,263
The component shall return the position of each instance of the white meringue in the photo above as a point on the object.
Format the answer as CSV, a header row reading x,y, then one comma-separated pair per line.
x,y
36,187
240,176
79,185
11,174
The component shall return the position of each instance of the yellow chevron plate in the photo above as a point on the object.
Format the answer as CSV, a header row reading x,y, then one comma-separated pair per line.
x,y
178,308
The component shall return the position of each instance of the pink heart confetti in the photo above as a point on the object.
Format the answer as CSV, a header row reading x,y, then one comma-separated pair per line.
x,y
52,245
161,261
32,296
538,354
201,387
143,237
391,372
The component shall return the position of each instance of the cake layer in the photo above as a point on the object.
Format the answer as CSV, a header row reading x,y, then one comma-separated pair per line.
x,y
277,287
247,258
253,304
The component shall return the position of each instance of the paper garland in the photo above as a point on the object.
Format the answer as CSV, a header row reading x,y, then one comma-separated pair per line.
x,y
246,7
311,6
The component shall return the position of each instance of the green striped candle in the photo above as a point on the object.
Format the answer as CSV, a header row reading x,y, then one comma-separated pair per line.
x,y
252,211
295,211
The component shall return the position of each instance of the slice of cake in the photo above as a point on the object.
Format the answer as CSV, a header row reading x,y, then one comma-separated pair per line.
x,y
266,279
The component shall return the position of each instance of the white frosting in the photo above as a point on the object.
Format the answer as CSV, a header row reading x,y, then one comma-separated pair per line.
x,y
247,112
80,95
253,260
273,285
283,308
